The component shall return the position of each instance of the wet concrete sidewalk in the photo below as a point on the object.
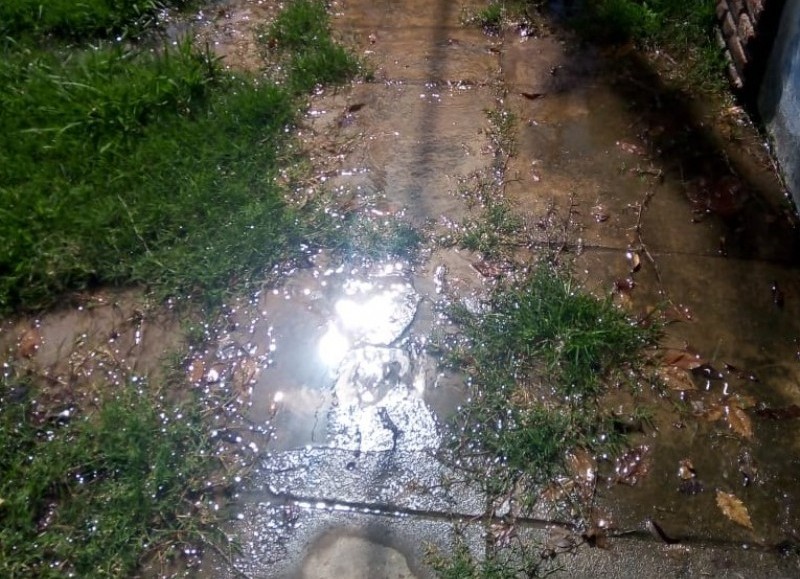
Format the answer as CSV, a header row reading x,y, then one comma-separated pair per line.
x,y
356,406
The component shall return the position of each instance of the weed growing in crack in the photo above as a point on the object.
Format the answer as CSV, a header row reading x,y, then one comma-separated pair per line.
x,y
539,357
351,234
503,131
301,39
493,231
519,560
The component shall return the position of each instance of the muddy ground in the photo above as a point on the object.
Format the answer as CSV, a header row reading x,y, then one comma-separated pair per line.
x,y
664,200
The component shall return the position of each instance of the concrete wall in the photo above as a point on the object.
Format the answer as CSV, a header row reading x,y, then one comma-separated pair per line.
x,y
779,98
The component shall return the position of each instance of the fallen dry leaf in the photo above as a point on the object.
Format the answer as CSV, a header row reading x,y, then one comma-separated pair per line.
x,y
714,412
624,285
600,214
734,509
244,375
581,465
683,359
558,490
196,371
632,466
676,378
739,421
743,401
635,261
487,269
686,469
29,343
630,148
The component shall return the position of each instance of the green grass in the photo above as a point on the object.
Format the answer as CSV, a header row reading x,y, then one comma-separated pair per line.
x,y
127,166
539,358
123,167
300,39
77,20
490,17
493,232
130,168
88,497
519,560
682,28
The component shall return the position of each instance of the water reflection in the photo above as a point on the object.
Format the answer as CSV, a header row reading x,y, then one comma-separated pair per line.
x,y
370,314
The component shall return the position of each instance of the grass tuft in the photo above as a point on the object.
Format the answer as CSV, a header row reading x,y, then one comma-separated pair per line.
x,y
539,357
300,37
122,167
682,28
72,20
86,496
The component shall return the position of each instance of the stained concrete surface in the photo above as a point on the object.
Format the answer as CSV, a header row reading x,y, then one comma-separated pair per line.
x,y
351,483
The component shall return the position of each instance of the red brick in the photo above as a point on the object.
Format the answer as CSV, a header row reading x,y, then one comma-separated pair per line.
x,y
754,9
737,54
736,7
745,30
733,74
728,26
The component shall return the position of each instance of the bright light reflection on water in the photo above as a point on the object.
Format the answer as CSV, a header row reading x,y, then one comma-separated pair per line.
x,y
368,315
333,346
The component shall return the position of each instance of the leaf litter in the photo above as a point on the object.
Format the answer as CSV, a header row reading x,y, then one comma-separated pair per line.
x,y
734,509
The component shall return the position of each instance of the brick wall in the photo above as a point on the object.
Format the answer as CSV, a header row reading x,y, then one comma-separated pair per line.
x,y
746,31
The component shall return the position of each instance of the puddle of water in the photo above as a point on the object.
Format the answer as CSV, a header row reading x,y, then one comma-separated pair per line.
x,y
336,364
109,338
229,28
621,176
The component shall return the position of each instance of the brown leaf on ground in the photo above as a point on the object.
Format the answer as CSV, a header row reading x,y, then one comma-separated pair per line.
x,y
683,359
583,468
686,469
487,269
679,313
714,412
739,421
743,401
600,213
196,371
29,343
734,509
630,148
582,465
676,378
635,261
502,533
558,490
244,374
632,466
624,285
